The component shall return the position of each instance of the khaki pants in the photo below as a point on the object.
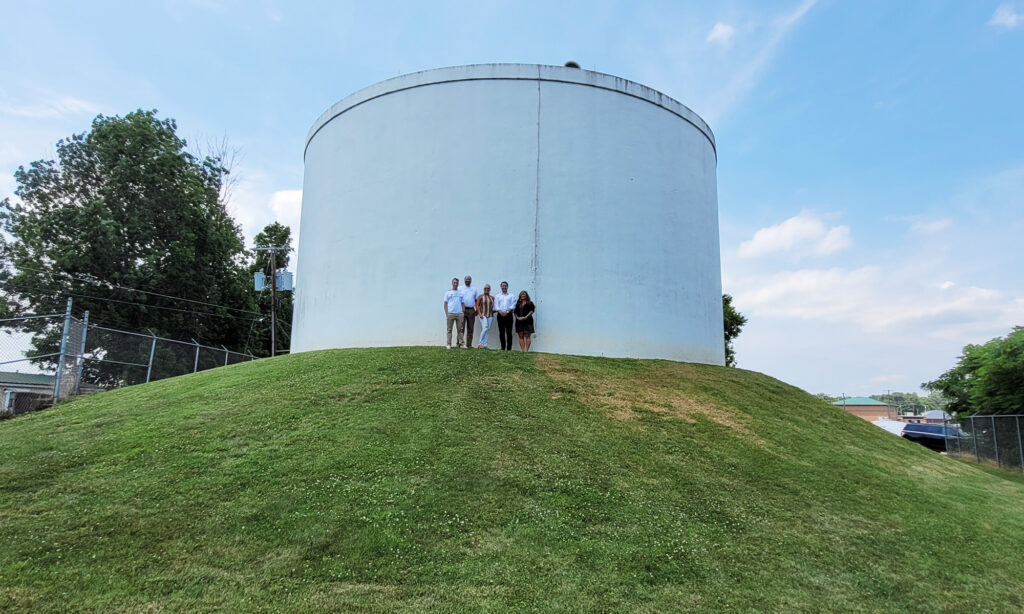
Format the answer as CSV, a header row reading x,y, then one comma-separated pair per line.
x,y
459,320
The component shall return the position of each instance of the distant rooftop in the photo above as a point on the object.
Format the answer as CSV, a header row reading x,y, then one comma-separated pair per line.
x,y
859,401
26,379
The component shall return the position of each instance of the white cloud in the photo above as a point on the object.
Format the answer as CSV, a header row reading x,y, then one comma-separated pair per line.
x,y
254,204
721,34
880,298
1006,17
66,106
680,54
287,206
746,76
930,226
837,239
804,233
902,306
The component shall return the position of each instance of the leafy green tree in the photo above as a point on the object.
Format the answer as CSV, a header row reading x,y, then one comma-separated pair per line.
x,y
126,206
988,379
733,323
905,402
912,403
272,235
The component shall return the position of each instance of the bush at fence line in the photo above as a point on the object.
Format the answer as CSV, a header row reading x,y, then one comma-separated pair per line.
x,y
114,358
991,439
111,358
986,379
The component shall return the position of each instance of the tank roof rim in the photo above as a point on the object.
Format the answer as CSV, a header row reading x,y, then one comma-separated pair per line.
x,y
515,72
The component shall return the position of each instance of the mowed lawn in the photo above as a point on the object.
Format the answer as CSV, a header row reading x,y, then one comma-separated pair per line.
x,y
420,479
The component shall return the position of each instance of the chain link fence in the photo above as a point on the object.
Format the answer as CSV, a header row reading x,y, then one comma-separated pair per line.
x,y
996,440
90,358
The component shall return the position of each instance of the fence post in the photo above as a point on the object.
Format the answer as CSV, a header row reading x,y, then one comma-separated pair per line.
x,y
225,355
152,350
974,436
1020,448
995,440
63,351
81,353
195,365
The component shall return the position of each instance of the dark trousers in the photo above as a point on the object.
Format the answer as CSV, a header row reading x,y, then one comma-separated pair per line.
x,y
505,331
470,324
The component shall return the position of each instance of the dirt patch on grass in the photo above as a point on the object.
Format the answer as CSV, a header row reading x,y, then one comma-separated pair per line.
x,y
651,390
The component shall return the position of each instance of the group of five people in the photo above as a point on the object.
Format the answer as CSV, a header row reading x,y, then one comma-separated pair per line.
x,y
462,306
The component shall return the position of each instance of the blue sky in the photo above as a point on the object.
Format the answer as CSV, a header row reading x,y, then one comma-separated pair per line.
x,y
871,154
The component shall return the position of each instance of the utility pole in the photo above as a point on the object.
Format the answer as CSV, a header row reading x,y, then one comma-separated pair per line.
x,y
273,303
273,249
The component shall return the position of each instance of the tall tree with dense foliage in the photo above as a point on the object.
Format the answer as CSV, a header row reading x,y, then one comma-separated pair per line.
x,y
124,207
988,379
733,322
272,235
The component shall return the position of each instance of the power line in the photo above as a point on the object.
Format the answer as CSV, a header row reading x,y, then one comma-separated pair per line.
x,y
95,280
62,292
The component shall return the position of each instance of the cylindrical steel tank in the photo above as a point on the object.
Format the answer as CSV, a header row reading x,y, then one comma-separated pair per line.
x,y
595,194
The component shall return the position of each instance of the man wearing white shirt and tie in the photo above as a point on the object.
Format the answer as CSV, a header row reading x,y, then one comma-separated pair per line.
x,y
469,295
504,303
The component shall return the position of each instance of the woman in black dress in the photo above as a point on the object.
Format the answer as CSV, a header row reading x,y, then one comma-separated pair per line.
x,y
524,320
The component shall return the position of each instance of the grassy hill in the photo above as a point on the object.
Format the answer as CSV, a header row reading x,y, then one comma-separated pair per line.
x,y
412,479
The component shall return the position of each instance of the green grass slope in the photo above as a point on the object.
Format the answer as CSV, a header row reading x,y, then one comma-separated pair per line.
x,y
419,479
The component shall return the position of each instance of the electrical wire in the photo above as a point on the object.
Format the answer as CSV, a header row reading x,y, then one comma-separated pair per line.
x,y
62,292
95,280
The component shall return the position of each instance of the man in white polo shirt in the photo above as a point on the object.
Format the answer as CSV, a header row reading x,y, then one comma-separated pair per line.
x,y
469,295
453,312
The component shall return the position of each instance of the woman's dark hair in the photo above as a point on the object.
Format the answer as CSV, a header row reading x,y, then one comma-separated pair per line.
x,y
520,300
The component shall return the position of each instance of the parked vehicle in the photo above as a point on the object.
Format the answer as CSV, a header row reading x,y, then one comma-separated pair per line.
x,y
932,436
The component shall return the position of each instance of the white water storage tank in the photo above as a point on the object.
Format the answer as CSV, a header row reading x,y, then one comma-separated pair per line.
x,y
595,194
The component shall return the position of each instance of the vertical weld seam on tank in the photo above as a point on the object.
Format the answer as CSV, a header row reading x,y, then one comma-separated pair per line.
x,y
536,197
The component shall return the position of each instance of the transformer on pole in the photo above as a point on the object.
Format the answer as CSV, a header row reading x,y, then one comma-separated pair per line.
x,y
260,280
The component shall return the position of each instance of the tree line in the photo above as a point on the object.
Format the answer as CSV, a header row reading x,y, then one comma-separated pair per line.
x,y
133,226
987,379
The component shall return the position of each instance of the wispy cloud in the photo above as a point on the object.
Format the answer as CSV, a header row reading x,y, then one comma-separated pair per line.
x,y
804,233
879,298
682,52
905,306
1006,17
51,109
209,5
721,34
746,76
931,226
